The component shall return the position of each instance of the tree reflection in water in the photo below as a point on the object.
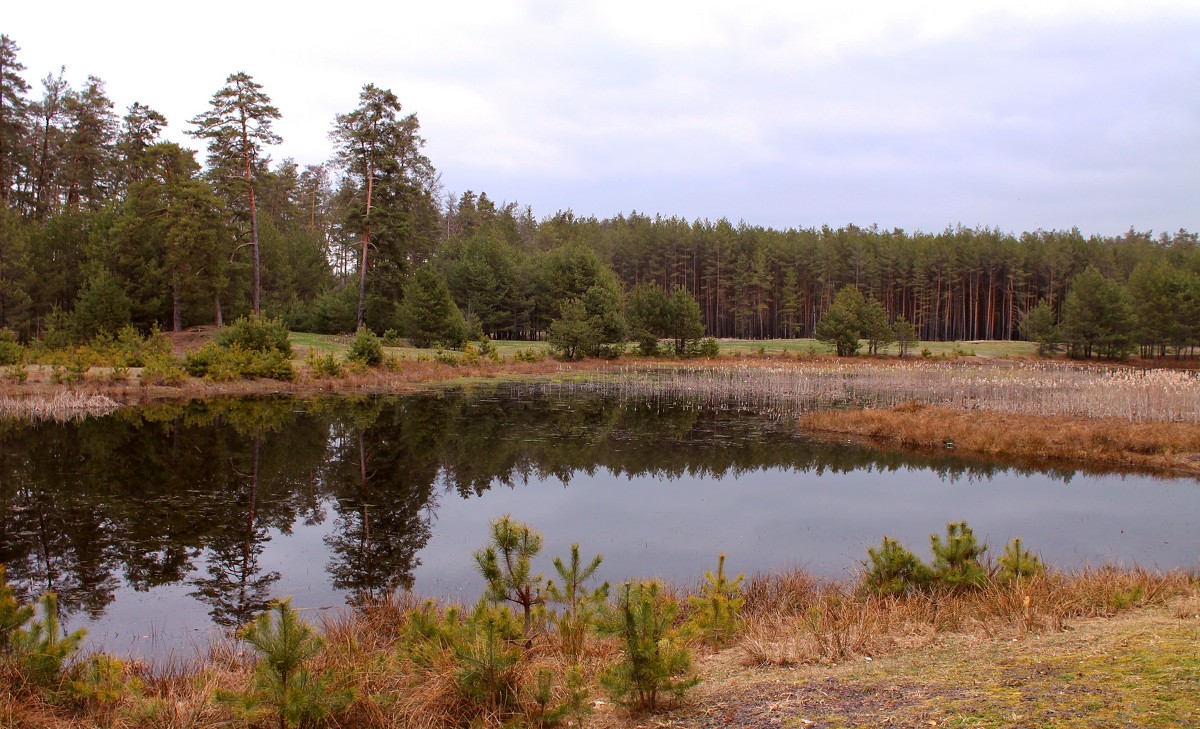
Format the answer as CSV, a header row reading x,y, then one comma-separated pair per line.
x,y
192,493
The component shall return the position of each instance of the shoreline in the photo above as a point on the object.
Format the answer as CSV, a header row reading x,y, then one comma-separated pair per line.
x,y
1089,443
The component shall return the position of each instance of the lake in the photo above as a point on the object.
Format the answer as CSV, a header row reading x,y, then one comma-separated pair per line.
x,y
158,526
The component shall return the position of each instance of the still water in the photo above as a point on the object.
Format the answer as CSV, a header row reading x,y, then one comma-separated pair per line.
x,y
161,525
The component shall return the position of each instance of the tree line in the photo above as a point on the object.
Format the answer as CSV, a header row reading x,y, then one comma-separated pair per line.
x,y
104,222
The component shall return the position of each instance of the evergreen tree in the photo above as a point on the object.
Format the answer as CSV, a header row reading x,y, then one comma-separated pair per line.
x,y
956,560
506,564
103,308
841,327
15,282
12,117
140,128
238,125
90,146
428,313
905,335
379,148
1097,317
1038,325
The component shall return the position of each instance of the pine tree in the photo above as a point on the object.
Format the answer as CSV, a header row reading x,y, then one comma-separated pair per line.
x,y
379,148
1017,562
428,313
717,609
12,116
506,564
580,606
238,125
282,683
956,560
655,660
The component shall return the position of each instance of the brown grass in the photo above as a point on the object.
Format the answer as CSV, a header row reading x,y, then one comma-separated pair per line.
x,y
794,622
1109,442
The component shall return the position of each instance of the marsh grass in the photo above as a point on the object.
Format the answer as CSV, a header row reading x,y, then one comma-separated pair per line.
x,y
61,406
1032,388
1110,442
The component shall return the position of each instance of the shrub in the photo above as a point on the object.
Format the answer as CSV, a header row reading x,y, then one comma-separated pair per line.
x,y
893,569
324,365
581,607
487,348
443,357
365,347
163,370
223,364
256,334
708,347
529,354
470,355
655,661
391,338
1019,563
282,685
956,560
717,609
11,351
15,373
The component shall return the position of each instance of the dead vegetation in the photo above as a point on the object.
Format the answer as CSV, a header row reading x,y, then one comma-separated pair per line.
x,y
1101,442
810,653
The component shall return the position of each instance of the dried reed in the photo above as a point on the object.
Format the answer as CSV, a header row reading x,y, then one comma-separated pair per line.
x,y
62,406
1128,394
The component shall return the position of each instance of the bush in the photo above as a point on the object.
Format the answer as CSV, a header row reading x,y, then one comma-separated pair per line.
x,y
717,609
365,347
487,348
15,373
391,338
655,661
708,347
1019,563
256,334
529,354
11,351
894,570
163,370
224,364
324,365
956,560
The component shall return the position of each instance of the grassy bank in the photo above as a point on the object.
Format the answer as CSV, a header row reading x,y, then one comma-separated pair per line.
x,y
1103,647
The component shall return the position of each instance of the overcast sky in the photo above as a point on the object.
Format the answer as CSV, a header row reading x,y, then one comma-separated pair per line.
x,y
916,115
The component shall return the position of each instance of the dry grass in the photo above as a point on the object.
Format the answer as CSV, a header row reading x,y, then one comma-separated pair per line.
x,y
59,406
1032,388
1109,442
794,622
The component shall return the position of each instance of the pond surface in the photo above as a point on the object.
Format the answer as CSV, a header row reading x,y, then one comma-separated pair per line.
x,y
157,526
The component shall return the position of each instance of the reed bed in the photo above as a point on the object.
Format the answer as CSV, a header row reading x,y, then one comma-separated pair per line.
x,y
1128,394
62,406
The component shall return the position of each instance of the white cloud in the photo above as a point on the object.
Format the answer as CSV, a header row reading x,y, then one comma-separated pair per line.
x,y
674,106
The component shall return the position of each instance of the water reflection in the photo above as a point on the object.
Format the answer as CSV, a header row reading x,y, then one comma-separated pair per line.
x,y
231,500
